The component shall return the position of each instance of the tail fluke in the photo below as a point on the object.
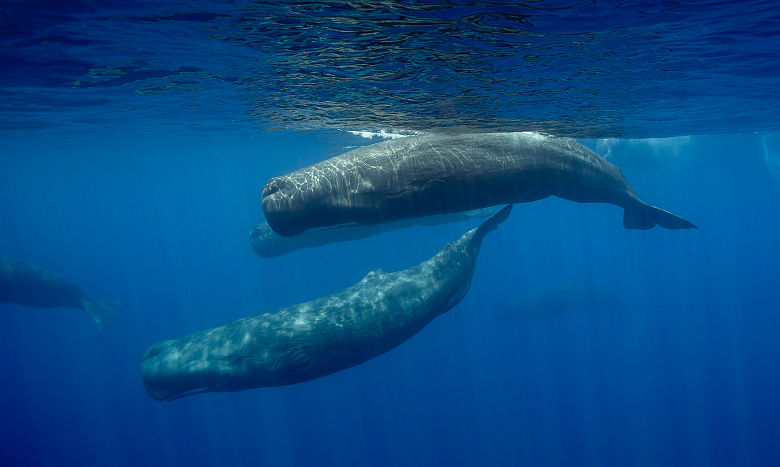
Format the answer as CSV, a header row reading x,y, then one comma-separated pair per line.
x,y
645,216
101,312
492,223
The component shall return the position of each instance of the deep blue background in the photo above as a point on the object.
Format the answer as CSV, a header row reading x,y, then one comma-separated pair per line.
x,y
134,143
685,374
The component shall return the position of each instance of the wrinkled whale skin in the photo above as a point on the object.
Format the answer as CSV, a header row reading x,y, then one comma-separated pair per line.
x,y
319,337
436,174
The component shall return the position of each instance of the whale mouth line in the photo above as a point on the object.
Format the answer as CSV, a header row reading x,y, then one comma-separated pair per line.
x,y
190,392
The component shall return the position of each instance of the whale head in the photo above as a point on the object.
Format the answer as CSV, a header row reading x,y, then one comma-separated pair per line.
x,y
286,209
168,374
292,208
203,362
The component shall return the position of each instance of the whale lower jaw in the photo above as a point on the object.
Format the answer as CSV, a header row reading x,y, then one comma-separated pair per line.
x,y
191,392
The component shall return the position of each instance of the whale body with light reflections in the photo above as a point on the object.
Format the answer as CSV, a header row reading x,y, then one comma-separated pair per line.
x,y
319,337
436,174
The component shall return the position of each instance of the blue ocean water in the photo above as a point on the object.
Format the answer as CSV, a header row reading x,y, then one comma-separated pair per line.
x,y
134,143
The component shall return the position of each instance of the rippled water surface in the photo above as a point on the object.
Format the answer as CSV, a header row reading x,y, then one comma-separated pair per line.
x,y
584,69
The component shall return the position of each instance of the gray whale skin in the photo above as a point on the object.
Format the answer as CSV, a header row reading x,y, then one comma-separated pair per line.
x,y
435,174
320,337
29,285
269,244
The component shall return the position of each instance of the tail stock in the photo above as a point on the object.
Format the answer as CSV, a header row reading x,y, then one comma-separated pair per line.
x,y
101,312
492,223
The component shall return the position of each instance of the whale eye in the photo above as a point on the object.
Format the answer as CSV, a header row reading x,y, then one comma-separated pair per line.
x,y
271,187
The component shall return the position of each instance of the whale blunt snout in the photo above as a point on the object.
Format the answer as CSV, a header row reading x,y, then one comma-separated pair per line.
x,y
167,377
192,365
156,380
284,213
273,186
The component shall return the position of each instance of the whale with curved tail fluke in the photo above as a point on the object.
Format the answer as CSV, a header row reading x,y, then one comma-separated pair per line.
x,y
428,175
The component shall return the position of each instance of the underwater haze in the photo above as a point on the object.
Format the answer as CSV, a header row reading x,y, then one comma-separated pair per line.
x,y
135,141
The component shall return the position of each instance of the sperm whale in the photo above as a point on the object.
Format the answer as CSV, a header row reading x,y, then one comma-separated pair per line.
x,y
436,174
316,338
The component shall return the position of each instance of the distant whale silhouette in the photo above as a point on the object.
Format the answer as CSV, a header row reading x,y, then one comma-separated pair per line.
x,y
435,174
320,337
269,244
27,284
562,299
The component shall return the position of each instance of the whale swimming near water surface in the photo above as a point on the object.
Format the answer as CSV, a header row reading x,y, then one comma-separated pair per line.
x,y
28,285
435,174
320,337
